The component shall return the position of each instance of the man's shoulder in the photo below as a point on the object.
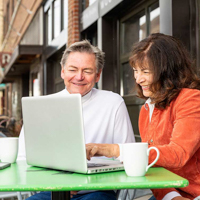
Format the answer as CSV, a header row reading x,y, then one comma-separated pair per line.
x,y
108,95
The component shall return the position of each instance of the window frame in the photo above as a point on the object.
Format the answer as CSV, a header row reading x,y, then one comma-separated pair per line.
x,y
124,57
50,5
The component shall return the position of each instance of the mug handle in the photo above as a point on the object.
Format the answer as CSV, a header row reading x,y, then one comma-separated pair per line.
x,y
158,154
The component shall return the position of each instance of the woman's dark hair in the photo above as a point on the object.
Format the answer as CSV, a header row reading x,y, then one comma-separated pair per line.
x,y
170,63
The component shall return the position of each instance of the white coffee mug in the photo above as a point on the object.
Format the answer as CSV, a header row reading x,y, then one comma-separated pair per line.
x,y
135,157
8,149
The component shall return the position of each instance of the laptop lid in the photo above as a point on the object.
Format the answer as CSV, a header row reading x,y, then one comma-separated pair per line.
x,y
53,131
54,134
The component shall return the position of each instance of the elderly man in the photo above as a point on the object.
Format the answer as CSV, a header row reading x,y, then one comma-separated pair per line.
x,y
106,119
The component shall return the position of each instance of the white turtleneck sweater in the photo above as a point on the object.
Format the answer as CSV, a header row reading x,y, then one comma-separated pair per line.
x,y
106,119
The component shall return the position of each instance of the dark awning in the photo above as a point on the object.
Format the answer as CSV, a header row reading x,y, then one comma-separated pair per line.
x,y
20,61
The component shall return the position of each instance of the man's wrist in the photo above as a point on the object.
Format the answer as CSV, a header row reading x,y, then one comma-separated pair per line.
x,y
115,150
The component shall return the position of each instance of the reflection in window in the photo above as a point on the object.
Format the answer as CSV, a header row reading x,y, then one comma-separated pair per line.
x,y
133,30
57,24
49,18
142,31
154,19
128,79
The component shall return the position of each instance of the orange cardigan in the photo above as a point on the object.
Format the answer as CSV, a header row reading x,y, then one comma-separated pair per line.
x,y
175,131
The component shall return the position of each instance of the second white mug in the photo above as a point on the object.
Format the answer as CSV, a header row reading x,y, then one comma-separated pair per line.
x,y
8,149
135,158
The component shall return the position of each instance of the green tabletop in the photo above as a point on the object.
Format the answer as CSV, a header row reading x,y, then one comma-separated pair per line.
x,y
22,177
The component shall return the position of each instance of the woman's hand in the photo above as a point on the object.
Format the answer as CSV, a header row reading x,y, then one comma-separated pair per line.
x,y
108,150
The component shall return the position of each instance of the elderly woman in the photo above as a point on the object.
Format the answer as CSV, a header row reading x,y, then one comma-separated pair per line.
x,y
170,118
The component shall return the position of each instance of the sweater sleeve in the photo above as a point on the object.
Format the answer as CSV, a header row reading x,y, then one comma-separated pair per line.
x,y
123,131
185,137
159,194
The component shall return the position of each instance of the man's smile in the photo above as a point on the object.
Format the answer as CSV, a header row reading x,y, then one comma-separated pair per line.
x,y
79,84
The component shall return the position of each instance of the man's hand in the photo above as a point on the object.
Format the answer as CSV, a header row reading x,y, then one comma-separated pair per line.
x,y
180,198
108,150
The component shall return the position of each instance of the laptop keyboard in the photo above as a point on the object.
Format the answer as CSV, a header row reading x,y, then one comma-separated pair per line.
x,y
90,165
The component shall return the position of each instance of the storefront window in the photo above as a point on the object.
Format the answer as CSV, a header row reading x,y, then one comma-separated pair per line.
x,y
128,83
133,30
49,22
57,20
65,13
154,18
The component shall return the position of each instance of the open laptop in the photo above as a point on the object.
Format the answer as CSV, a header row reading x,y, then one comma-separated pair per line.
x,y
54,135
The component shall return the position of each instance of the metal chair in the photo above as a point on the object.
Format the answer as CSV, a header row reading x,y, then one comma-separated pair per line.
x,y
14,195
130,194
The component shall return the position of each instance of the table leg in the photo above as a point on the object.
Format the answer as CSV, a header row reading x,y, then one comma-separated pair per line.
x,y
60,195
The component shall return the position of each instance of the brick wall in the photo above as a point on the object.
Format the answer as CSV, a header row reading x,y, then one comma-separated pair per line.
x,y
73,21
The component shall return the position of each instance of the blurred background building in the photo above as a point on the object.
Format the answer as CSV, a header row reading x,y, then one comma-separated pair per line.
x,y
34,34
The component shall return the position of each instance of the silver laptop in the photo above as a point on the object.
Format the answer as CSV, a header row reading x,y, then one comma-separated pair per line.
x,y
54,135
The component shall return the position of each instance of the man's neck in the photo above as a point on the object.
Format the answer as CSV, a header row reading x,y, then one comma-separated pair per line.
x,y
84,97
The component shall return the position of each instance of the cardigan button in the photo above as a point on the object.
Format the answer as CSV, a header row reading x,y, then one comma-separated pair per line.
x,y
151,140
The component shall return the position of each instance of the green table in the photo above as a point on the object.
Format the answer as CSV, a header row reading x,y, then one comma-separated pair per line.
x,y
22,177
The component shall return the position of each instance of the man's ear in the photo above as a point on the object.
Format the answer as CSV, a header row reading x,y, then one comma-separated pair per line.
x,y
98,75
62,73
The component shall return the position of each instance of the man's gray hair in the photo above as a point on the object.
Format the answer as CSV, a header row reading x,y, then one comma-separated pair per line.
x,y
86,47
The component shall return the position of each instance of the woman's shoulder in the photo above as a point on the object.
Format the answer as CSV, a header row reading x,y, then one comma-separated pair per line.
x,y
187,104
189,93
188,97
